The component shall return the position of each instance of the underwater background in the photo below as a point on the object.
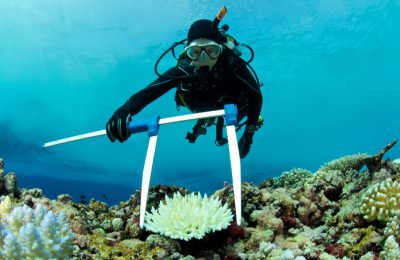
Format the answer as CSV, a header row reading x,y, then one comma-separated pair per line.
x,y
331,74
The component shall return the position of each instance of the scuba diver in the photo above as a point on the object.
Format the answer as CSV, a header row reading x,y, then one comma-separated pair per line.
x,y
209,74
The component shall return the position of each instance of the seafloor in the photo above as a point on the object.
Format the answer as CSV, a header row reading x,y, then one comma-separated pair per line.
x,y
347,209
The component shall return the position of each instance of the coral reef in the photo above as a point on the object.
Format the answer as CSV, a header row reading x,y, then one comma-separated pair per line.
x,y
342,211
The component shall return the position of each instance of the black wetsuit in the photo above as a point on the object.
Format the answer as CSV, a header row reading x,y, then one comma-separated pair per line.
x,y
229,81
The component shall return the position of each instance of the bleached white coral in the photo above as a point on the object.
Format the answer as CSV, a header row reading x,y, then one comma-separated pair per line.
x,y
188,217
391,249
13,249
28,233
381,201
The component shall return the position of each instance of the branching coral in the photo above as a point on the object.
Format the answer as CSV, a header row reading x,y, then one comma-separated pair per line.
x,y
292,178
393,227
391,249
323,177
188,217
381,201
28,233
346,163
5,207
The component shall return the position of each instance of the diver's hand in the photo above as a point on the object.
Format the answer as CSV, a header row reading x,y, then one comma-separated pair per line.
x,y
117,126
246,141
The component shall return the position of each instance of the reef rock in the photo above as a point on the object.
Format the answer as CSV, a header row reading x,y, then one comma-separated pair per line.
x,y
8,182
1,166
299,215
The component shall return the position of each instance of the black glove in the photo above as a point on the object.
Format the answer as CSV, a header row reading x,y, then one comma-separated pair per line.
x,y
246,141
117,126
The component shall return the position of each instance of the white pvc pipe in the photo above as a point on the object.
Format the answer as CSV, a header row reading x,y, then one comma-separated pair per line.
x,y
236,170
74,138
187,117
148,165
162,121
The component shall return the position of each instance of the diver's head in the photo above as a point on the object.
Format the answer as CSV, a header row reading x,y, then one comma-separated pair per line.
x,y
204,44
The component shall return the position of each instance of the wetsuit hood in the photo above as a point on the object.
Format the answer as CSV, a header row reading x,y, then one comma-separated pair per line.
x,y
203,29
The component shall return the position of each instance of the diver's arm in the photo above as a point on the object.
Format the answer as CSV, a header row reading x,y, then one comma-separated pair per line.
x,y
117,125
249,85
154,90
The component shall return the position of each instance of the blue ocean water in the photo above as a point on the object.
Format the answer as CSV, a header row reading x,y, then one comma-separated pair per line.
x,y
331,73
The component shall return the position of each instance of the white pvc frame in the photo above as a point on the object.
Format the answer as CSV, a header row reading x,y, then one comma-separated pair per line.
x,y
148,165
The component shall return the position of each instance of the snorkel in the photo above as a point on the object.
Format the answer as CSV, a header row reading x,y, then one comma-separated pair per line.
x,y
220,15
218,18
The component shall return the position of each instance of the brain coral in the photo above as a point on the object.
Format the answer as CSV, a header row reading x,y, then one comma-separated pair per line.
x,y
381,201
188,217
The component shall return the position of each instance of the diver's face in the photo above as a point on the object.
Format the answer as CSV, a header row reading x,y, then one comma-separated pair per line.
x,y
203,52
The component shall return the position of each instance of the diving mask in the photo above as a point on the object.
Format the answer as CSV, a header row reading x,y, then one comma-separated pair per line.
x,y
202,50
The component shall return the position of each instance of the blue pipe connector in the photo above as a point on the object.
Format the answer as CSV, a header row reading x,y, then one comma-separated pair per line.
x,y
142,125
231,114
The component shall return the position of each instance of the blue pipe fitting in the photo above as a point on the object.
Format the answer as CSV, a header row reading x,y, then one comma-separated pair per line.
x,y
142,125
231,114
